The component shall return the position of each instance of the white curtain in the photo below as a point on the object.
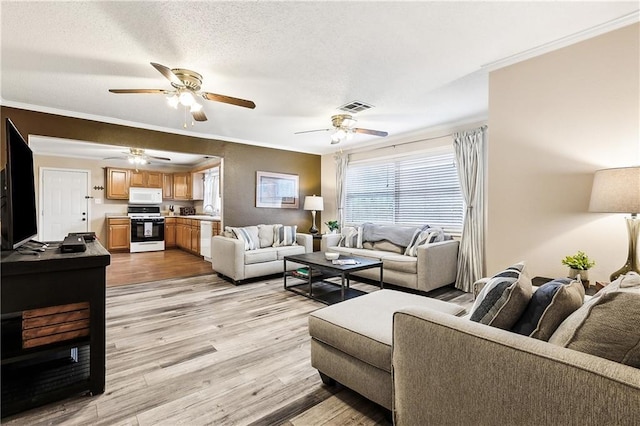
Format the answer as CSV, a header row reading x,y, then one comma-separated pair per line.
x,y
342,160
212,191
469,147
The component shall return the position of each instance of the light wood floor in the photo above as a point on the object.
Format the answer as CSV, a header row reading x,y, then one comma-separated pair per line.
x,y
130,268
200,350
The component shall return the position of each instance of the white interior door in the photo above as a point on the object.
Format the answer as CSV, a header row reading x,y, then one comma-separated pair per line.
x,y
64,203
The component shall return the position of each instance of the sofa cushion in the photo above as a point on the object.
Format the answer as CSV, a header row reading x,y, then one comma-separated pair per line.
x,y
262,255
362,327
284,235
265,235
249,235
289,251
504,298
400,263
549,306
385,245
607,324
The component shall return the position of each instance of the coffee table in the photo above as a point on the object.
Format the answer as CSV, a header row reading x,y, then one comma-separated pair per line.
x,y
319,269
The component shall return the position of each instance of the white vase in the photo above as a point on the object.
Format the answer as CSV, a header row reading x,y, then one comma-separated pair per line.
x,y
584,276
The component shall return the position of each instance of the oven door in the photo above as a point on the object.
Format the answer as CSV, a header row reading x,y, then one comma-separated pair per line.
x,y
147,229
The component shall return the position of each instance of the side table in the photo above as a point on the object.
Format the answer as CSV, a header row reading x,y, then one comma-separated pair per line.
x,y
590,291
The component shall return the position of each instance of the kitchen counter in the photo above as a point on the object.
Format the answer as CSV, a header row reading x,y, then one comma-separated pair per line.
x,y
199,217
116,216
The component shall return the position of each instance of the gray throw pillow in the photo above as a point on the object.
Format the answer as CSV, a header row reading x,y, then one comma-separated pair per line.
x,y
548,307
607,325
504,298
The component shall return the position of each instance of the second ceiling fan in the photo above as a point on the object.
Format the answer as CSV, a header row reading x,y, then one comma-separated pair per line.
x,y
343,129
186,89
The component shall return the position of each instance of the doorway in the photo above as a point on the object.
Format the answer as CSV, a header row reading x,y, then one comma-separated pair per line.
x,y
64,202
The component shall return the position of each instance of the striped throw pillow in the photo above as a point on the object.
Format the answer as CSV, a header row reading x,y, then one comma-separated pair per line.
x,y
248,234
423,236
284,235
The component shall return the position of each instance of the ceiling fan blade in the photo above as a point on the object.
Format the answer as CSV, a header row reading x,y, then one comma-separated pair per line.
x,y
162,91
228,100
169,75
311,131
199,115
371,132
115,158
159,158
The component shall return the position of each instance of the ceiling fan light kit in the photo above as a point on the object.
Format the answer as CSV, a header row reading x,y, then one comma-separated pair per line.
x,y
344,130
187,84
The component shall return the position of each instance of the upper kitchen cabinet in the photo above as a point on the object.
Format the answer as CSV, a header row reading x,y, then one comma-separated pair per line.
x,y
182,186
145,179
167,186
197,186
117,184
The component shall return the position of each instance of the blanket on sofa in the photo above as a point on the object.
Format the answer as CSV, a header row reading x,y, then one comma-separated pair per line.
x,y
400,235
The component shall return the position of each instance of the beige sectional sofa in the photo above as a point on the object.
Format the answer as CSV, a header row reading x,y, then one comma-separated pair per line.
x,y
432,367
231,258
433,266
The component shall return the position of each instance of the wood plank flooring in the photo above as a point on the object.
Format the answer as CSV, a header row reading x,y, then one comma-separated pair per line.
x,y
202,351
130,268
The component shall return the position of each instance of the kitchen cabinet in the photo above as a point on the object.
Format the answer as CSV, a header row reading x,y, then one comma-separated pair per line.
x,y
169,232
145,179
117,183
182,186
118,234
188,235
197,186
167,186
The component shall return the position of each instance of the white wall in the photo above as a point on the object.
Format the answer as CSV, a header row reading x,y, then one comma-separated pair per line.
x,y
553,121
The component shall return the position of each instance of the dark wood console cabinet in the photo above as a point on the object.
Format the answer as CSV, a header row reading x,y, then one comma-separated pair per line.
x,y
52,303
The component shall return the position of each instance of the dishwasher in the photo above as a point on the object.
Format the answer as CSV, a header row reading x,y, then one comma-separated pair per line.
x,y
205,239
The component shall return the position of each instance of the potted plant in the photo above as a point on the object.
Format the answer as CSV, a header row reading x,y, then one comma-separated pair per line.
x,y
333,226
579,264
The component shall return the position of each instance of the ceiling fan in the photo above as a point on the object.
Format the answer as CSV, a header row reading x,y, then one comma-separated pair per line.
x,y
137,157
343,126
186,89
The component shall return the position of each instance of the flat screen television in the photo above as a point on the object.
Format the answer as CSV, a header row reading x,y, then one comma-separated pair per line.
x,y
18,208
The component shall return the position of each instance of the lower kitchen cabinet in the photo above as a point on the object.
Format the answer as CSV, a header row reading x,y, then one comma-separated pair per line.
x,y
188,235
118,234
170,232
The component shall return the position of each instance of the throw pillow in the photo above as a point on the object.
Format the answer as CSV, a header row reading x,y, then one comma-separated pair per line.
x,y
504,298
351,237
284,235
548,307
607,324
265,235
248,234
385,245
423,237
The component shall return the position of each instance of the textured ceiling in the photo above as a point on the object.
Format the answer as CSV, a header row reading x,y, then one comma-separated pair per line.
x,y
420,64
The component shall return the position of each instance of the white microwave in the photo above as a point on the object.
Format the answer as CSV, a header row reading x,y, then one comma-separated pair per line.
x,y
145,195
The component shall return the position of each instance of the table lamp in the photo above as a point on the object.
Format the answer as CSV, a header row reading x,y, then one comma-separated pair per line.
x,y
618,191
313,203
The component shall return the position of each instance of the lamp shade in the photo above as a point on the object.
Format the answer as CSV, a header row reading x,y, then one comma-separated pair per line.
x,y
616,191
313,202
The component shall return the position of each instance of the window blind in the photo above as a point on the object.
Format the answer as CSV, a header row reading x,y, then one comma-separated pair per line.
x,y
412,190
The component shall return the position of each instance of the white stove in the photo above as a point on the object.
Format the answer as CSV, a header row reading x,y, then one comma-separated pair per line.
x,y
147,228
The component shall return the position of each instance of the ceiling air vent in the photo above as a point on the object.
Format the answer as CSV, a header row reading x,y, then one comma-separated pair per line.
x,y
355,106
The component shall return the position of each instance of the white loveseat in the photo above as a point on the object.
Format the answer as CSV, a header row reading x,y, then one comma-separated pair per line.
x,y
433,266
231,257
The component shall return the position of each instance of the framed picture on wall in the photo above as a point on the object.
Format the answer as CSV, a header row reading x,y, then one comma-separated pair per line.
x,y
277,190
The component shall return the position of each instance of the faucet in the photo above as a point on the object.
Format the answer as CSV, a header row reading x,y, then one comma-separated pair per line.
x,y
210,211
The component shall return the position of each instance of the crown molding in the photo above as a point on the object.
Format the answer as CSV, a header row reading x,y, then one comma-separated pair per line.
x,y
597,30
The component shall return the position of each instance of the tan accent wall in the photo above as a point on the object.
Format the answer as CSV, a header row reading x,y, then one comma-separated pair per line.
x,y
241,162
553,121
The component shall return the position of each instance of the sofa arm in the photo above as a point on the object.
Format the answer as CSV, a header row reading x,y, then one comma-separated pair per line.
x,y
227,257
305,240
498,377
437,264
329,240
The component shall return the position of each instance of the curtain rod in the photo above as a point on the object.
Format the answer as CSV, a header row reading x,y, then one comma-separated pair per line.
x,y
483,127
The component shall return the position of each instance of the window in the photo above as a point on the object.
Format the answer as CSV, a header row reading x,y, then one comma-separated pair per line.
x,y
412,190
